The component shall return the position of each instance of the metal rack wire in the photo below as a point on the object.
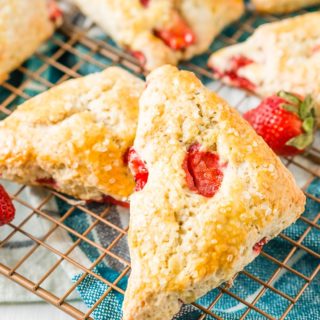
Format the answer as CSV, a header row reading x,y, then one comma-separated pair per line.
x,y
67,41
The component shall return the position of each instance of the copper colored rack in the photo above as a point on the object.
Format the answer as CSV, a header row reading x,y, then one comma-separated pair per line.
x,y
67,40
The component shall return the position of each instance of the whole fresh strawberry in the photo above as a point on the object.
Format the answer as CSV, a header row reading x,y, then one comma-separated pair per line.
x,y
285,121
7,210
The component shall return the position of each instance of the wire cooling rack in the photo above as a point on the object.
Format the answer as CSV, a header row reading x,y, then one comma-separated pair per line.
x,y
73,48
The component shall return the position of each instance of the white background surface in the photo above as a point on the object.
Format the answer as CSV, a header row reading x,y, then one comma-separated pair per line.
x,y
32,311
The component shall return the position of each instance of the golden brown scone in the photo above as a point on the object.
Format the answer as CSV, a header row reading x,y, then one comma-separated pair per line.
x,y
24,25
145,26
282,55
182,243
282,6
73,137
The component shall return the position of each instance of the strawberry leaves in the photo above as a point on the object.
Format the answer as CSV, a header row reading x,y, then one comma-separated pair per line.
x,y
290,108
306,112
301,142
308,125
291,98
307,108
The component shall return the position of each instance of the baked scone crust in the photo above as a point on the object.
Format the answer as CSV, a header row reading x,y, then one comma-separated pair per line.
x,y
24,25
282,6
74,136
132,25
285,56
181,243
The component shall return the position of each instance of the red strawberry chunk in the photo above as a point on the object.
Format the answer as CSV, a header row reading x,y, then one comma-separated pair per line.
x,y
204,173
7,209
257,248
109,199
47,181
276,125
178,36
316,48
239,62
145,3
138,169
55,13
232,73
140,57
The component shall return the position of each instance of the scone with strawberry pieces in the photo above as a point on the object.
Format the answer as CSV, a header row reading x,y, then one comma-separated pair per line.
x,y
283,55
24,25
210,194
158,32
74,137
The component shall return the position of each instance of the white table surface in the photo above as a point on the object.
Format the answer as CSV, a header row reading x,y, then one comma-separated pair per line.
x,y
32,311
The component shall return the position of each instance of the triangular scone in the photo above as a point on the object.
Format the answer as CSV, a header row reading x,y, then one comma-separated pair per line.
x,y
282,55
162,31
282,6
74,137
24,25
182,243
